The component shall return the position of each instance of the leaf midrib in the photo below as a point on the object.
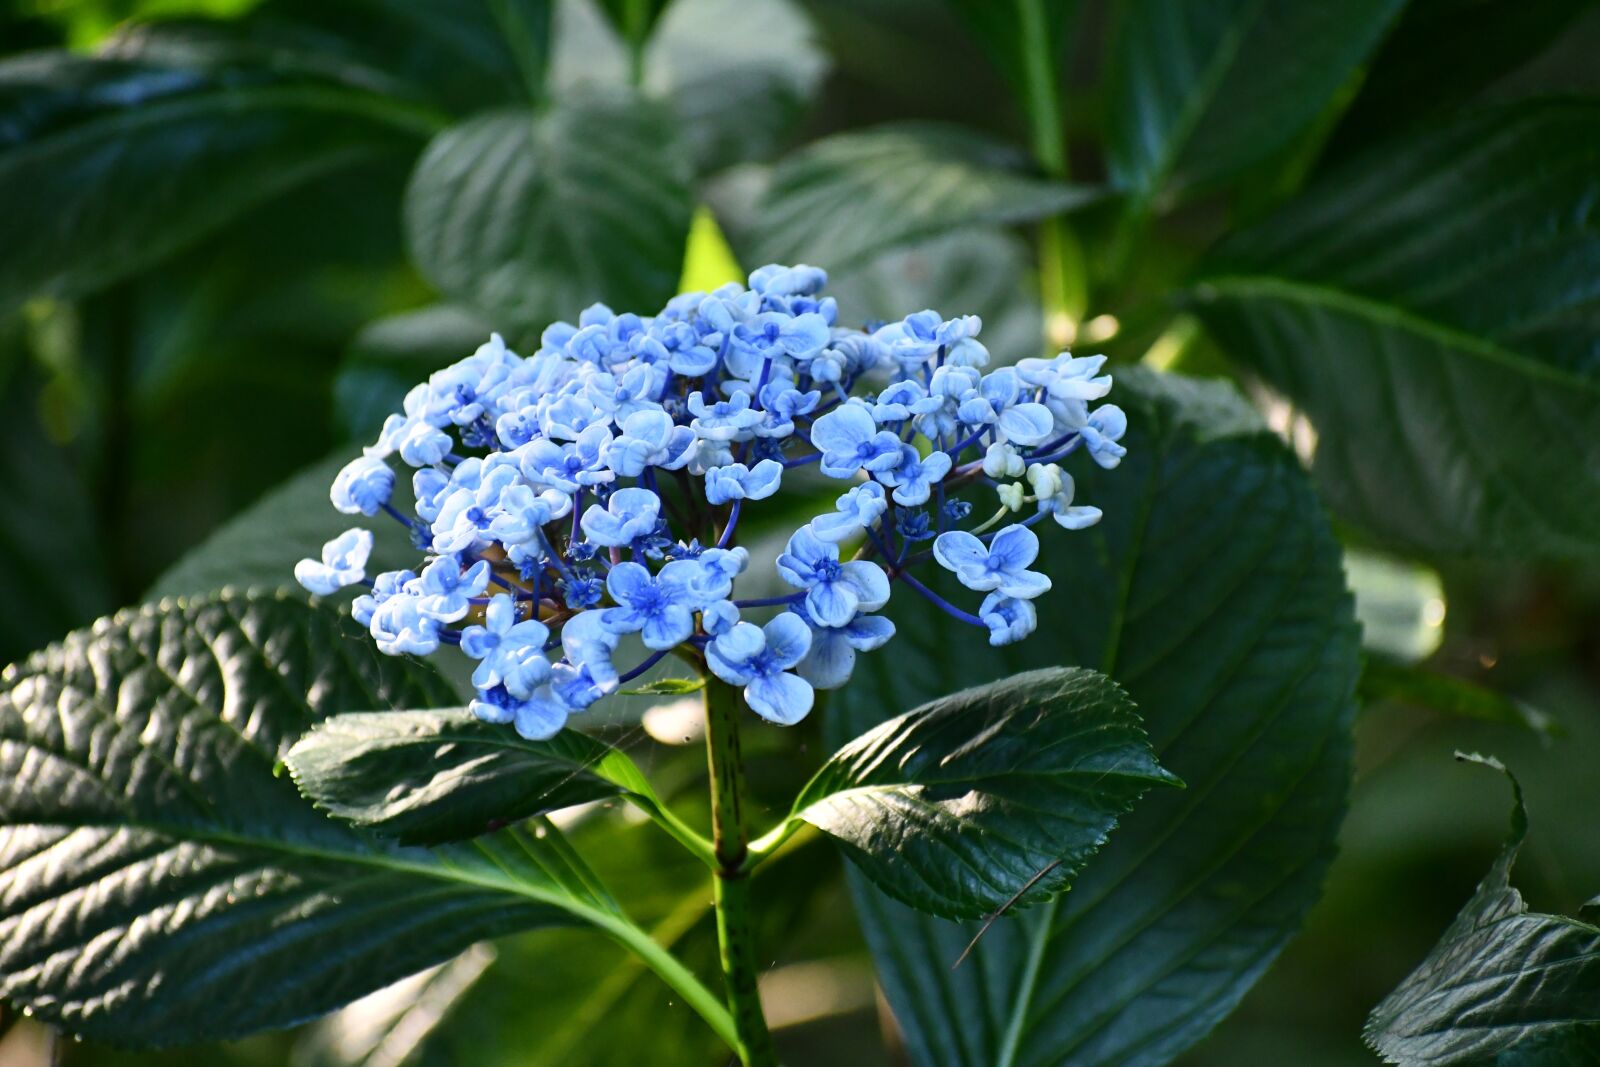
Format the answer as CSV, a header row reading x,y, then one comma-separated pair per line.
x,y
1392,315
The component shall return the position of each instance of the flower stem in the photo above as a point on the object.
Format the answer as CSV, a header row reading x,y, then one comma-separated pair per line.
x,y
731,844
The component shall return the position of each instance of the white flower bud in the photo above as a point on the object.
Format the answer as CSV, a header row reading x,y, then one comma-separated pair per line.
x,y
1002,461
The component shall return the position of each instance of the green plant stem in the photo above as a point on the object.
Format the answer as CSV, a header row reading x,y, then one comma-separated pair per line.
x,y
673,972
731,844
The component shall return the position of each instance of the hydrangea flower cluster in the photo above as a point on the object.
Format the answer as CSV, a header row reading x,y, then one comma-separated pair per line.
x,y
593,491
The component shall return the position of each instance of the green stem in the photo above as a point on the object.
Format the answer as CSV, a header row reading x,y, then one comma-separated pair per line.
x,y
731,844
672,972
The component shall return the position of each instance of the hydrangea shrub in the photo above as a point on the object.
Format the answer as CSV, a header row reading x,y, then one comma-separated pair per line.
x,y
593,490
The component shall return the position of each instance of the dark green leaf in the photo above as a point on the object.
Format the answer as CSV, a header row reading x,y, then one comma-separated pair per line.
x,y
258,548
850,196
160,884
1441,54
108,166
1451,368
533,217
393,354
429,777
1383,680
1502,980
737,73
1212,592
1199,90
996,795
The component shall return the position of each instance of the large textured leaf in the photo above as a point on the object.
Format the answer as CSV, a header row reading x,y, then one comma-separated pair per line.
x,y
1442,53
1435,310
1502,981
738,74
258,548
1212,592
1198,89
977,270
107,166
853,195
427,777
532,217
160,884
998,794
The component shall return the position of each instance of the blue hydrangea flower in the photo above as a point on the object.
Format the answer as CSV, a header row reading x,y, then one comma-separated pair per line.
x,y
759,659
835,591
598,486
1001,565
344,562
510,653
858,510
659,608
1009,619
629,515
832,658
363,486
444,590
738,482
849,440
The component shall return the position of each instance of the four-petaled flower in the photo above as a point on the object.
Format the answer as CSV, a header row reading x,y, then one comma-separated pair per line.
x,y
630,514
344,562
835,591
759,658
738,482
1001,565
510,653
849,440
659,608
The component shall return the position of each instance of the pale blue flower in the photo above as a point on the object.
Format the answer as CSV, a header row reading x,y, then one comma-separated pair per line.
x,y
571,466
732,419
1008,619
835,591
1067,377
511,653
738,482
902,400
798,280
444,591
912,341
659,608
400,628
586,673
718,568
431,485
1101,433
913,480
857,510
998,404
849,440
362,486
759,658
719,617
772,334
344,562
650,439
386,585
832,658
631,513
1002,564
1054,489
502,508
781,404
949,387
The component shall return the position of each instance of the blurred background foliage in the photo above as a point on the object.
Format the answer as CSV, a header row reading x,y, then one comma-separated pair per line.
x,y
156,389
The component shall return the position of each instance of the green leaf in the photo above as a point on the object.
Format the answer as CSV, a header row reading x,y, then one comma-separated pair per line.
x,y
1197,91
393,354
258,548
1212,592
159,884
107,167
1502,980
1443,53
1452,371
429,777
667,687
737,73
982,269
1408,684
854,195
994,796
533,217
